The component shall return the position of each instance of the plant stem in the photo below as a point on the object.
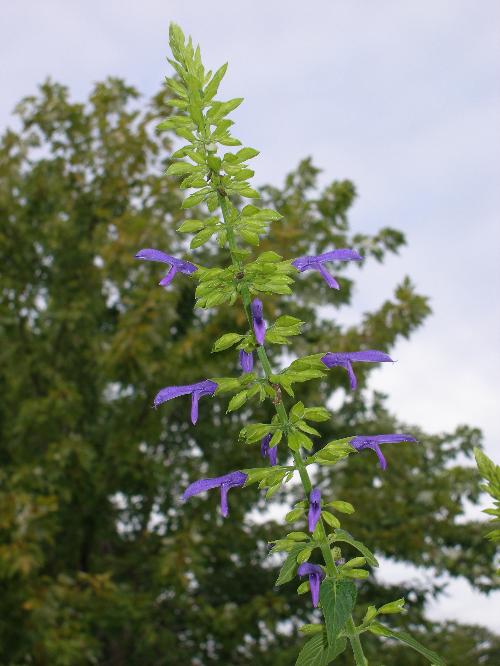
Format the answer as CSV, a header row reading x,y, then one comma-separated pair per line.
x,y
331,568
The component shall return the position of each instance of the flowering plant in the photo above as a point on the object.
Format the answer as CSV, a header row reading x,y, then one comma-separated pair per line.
x,y
220,181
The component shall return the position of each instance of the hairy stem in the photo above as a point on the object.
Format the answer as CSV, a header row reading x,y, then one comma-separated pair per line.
x,y
331,568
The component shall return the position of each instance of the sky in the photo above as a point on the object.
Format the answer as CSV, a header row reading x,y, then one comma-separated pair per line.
x,y
403,98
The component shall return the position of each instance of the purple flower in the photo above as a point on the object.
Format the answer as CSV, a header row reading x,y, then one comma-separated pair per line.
x,y
316,575
259,325
197,390
267,451
246,361
344,360
176,265
231,480
308,263
373,442
314,508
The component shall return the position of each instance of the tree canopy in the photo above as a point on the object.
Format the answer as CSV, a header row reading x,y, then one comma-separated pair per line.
x,y
100,563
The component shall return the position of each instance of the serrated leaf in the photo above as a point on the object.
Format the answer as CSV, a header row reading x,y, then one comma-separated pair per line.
x,y
289,568
201,238
294,515
343,507
195,198
381,630
311,629
297,536
337,601
316,652
343,536
330,519
396,606
180,168
227,340
237,401
190,226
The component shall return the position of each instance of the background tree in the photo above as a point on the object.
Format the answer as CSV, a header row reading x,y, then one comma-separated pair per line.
x,y
99,563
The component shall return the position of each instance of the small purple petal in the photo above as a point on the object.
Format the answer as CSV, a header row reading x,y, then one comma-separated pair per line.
x,y
224,506
165,281
314,584
314,508
170,392
268,452
264,445
306,569
339,255
246,361
195,399
370,356
177,265
316,575
225,483
150,254
206,387
345,359
353,381
259,325
360,442
329,279
316,263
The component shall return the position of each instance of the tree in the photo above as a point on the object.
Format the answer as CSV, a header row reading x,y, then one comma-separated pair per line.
x,y
99,561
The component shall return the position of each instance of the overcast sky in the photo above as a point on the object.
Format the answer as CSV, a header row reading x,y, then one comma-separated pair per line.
x,y
401,97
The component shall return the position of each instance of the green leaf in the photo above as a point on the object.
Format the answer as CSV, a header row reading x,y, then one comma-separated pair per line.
x,y
316,414
316,652
310,629
304,555
343,536
213,85
355,573
343,507
337,601
237,401
289,568
195,198
355,562
201,238
226,384
180,168
241,156
294,515
190,226
371,612
297,536
392,607
330,519
227,340
381,630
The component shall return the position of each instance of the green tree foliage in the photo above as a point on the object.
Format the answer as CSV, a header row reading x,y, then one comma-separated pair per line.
x,y
99,561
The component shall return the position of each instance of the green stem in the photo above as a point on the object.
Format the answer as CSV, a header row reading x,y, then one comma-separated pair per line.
x,y
331,568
